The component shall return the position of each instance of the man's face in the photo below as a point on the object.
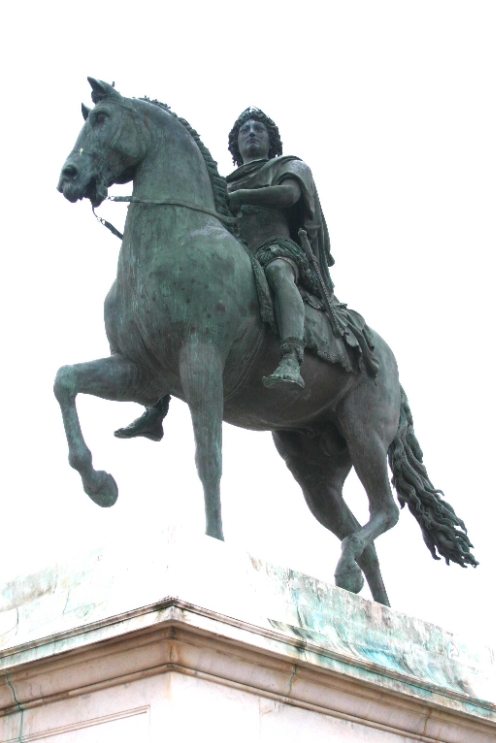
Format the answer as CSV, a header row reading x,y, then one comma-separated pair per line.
x,y
253,141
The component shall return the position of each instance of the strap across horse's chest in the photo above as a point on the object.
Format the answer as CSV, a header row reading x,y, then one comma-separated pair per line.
x,y
160,202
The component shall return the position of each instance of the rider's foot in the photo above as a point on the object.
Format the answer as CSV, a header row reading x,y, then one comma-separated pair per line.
x,y
148,425
288,370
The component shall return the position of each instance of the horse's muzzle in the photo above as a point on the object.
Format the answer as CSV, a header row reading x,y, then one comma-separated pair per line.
x,y
72,182
78,182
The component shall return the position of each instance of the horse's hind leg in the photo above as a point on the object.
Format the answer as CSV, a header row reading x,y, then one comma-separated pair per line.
x,y
367,444
321,478
200,369
113,378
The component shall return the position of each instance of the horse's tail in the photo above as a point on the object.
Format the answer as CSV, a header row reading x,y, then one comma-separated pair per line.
x,y
443,531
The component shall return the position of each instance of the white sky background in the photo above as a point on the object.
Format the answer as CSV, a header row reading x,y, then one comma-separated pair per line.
x,y
392,104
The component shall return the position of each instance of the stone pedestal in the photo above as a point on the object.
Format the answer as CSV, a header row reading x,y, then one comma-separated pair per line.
x,y
185,638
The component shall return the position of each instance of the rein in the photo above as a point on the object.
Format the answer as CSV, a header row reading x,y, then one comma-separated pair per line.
x,y
157,202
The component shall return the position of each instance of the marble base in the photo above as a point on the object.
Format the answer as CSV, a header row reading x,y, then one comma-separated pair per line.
x,y
187,637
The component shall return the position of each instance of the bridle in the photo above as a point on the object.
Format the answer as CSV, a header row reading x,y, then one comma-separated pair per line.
x,y
157,202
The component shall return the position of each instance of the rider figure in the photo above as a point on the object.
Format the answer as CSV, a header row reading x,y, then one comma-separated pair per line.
x,y
272,196
264,225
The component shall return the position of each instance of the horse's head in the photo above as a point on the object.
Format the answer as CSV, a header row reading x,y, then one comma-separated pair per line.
x,y
109,147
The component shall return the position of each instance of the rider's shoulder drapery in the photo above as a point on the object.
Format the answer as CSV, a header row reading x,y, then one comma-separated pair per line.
x,y
306,214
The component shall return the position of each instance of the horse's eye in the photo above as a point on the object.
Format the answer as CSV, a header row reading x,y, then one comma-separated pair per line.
x,y
100,119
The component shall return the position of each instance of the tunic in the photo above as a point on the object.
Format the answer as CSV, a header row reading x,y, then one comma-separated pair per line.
x,y
272,233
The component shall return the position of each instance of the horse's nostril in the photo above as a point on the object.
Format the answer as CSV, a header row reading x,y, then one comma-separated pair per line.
x,y
70,171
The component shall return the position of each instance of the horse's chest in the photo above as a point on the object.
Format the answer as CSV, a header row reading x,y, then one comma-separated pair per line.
x,y
161,295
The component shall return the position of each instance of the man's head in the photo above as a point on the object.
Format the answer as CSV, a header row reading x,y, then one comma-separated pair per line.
x,y
254,136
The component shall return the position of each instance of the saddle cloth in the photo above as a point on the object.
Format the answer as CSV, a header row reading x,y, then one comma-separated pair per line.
x,y
353,349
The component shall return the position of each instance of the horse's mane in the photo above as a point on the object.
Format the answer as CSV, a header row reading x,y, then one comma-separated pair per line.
x,y
218,183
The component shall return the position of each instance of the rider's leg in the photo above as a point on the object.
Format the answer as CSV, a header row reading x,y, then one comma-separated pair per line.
x,y
149,424
290,318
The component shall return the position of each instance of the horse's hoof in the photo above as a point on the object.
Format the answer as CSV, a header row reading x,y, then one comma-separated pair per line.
x,y
148,425
351,580
216,534
105,492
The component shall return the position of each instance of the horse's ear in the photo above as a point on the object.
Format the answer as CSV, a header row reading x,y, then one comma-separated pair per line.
x,y
85,111
101,90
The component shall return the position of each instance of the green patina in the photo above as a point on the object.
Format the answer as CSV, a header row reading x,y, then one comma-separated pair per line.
x,y
183,319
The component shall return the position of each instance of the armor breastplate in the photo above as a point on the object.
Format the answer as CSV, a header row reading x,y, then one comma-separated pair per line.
x,y
257,224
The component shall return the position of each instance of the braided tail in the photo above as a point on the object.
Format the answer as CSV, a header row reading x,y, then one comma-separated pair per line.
x,y
444,533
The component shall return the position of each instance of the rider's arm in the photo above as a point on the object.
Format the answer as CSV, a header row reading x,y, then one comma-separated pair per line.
x,y
283,196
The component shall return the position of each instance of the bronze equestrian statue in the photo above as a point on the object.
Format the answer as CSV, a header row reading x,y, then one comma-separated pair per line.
x,y
191,315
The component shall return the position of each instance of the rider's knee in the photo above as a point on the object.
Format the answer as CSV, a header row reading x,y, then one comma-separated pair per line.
x,y
64,384
279,272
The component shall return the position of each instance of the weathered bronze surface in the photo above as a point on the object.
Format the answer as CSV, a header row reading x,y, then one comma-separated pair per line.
x,y
191,315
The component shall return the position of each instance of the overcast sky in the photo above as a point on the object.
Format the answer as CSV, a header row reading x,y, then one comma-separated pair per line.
x,y
392,104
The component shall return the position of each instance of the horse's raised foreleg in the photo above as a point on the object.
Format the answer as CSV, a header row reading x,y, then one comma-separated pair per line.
x,y
201,378
113,378
321,478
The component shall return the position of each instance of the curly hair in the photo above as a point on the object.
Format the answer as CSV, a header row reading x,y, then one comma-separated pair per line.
x,y
275,142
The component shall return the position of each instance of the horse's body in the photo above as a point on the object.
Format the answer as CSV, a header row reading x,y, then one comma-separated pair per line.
x,y
183,319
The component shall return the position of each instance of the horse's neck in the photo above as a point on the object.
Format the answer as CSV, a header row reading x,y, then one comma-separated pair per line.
x,y
173,167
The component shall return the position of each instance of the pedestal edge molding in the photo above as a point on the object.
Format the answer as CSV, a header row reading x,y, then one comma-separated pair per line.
x,y
176,629
172,604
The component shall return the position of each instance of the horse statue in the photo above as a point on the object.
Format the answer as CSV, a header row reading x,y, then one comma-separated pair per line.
x,y
183,319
